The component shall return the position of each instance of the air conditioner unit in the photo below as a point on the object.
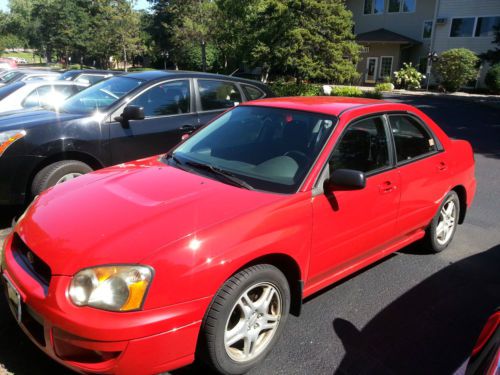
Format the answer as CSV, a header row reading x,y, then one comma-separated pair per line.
x,y
441,21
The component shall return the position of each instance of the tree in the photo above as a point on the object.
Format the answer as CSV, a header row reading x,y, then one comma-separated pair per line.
x,y
456,67
308,39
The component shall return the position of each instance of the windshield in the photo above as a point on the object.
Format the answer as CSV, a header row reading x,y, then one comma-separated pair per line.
x,y
101,96
268,148
6,78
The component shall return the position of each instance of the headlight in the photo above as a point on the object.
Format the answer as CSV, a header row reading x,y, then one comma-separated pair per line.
x,y
114,288
8,137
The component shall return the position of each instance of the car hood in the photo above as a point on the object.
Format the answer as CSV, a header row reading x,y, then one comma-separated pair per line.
x,y
24,119
126,213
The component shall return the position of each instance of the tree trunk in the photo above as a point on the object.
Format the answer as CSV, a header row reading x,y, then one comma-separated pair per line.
x,y
203,56
125,58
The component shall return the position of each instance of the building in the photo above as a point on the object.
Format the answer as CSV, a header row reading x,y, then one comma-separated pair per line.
x,y
396,31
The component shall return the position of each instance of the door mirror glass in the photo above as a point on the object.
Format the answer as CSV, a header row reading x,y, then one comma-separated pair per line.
x,y
133,112
346,179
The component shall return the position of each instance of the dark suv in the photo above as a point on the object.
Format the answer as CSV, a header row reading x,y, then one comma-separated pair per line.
x,y
120,119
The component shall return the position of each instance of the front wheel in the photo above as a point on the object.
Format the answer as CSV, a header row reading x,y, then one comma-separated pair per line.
x,y
57,173
444,224
245,319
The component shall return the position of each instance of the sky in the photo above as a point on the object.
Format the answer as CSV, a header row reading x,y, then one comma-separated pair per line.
x,y
140,4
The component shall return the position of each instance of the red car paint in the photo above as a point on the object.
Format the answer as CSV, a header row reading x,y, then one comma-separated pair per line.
x,y
196,232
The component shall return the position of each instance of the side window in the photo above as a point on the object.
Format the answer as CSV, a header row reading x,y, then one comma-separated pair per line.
x,y
218,94
363,147
252,93
37,97
63,92
170,98
89,79
411,138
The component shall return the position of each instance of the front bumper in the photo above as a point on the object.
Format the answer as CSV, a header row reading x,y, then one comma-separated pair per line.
x,y
88,340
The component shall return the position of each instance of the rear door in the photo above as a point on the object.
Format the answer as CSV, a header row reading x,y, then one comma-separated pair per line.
x,y
213,97
168,113
423,168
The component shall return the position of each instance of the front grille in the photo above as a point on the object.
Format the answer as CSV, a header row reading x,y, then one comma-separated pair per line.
x,y
30,261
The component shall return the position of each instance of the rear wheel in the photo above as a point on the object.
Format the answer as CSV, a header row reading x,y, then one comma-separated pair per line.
x,y
442,228
245,319
57,173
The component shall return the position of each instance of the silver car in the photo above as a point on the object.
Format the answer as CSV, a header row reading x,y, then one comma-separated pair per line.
x,y
25,75
23,95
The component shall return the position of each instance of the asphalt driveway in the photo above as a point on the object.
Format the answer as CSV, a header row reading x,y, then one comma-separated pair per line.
x,y
412,313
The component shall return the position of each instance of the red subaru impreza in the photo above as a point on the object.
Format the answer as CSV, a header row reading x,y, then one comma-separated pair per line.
x,y
203,252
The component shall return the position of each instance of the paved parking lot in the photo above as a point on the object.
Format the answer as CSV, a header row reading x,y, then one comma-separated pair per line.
x,y
412,313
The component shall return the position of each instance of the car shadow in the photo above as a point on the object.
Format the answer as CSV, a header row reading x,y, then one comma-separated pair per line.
x,y
432,328
461,119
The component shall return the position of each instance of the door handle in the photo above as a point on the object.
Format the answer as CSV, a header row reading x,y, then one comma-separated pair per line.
x,y
442,166
188,128
386,187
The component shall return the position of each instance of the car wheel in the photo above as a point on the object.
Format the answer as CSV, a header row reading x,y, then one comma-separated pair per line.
x,y
245,319
57,173
444,224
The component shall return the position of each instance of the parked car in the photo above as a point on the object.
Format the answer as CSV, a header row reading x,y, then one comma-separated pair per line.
x,y
7,64
32,94
135,268
18,60
88,76
25,75
117,120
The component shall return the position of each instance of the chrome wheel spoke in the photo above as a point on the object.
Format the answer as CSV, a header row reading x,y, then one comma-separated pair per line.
x,y
446,223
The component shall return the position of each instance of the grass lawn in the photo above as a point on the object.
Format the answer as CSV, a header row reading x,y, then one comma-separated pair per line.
x,y
25,55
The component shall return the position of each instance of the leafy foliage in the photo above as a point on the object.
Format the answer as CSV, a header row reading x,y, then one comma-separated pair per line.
x,y
408,77
380,87
456,67
282,88
492,79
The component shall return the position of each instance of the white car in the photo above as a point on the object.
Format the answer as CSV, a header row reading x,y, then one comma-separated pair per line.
x,y
25,75
23,95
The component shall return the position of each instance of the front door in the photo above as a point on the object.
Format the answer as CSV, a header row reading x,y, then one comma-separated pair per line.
x,y
350,226
371,70
168,115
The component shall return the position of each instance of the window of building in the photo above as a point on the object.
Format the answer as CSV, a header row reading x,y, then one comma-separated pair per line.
x,y
363,147
486,26
386,66
410,138
402,6
462,27
422,65
374,7
427,32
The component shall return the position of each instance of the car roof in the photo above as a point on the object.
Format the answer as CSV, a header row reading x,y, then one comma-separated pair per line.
x,y
332,105
152,75
56,83
35,71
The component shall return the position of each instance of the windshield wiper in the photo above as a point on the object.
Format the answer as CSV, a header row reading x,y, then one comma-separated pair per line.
x,y
228,176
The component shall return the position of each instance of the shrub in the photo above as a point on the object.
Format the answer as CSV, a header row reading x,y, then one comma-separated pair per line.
x,y
408,77
346,91
384,87
282,88
372,94
138,69
492,79
456,67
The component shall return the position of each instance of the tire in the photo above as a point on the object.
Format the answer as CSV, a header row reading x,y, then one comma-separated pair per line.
x,y
226,315
55,173
436,239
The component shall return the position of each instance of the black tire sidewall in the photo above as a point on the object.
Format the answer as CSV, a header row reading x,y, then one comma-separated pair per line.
x,y
432,241
48,176
220,360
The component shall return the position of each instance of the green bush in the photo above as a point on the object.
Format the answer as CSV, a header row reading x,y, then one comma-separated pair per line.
x,y
346,91
372,94
408,77
492,79
282,88
383,87
456,67
139,69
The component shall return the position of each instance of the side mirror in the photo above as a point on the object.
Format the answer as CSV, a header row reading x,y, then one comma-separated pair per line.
x,y
346,179
130,112
133,112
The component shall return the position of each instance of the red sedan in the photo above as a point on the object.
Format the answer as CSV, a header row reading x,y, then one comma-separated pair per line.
x,y
203,252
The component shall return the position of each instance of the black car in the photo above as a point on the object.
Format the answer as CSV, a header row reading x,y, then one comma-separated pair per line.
x,y
117,120
89,76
